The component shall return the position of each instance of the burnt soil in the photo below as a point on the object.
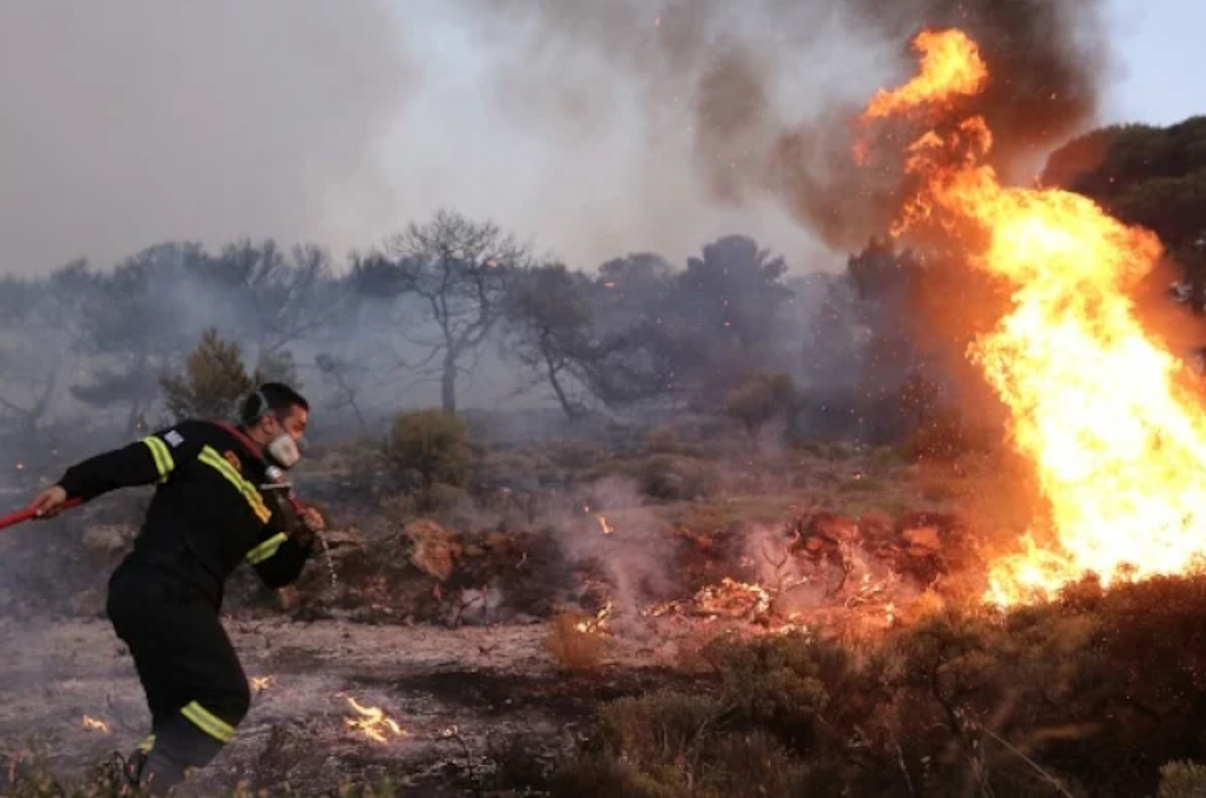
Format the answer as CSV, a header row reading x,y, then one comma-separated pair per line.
x,y
485,709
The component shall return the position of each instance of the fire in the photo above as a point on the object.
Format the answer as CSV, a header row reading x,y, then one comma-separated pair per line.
x,y
92,724
261,683
606,527
598,624
373,723
1097,405
950,65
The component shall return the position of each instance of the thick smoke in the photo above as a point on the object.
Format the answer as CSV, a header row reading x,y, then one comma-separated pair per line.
x,y
763,94
137,121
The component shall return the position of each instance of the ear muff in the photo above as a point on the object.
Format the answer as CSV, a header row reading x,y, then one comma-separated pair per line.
x,y
261,403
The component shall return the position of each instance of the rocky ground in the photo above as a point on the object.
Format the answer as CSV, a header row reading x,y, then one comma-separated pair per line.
x,y
465,628
480,710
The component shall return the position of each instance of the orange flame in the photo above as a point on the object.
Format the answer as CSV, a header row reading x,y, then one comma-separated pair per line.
x,y
950,65
1099,407
598,624
606,527
373,723
261,683
92,724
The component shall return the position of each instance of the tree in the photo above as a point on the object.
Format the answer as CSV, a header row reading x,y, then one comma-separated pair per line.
x,y
345,377
460,271
548,323
136,326
279,299
38,330
759,400
213,383
215,380
691,335
1150,176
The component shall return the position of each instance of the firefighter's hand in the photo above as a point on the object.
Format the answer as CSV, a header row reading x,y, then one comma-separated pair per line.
x,y
313,521
49,502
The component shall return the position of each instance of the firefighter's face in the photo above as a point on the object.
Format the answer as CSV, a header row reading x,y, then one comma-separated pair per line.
x,y
293,424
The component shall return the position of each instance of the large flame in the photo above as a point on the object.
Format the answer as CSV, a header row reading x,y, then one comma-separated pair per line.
x,y
1097,404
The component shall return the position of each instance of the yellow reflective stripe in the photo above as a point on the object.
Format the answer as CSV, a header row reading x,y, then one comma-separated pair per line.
x,y
147,744
266,549
163,456
214,460
209,723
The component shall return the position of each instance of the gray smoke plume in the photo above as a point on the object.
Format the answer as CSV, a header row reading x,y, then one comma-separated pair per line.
x,y
136,121
759,97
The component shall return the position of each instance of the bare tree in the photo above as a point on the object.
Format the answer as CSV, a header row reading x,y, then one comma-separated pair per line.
x,y
460,271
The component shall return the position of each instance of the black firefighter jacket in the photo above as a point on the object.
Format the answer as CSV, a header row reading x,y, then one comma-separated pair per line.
x,y
210,512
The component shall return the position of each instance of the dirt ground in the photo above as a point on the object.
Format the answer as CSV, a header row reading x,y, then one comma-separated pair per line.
x,y
466,699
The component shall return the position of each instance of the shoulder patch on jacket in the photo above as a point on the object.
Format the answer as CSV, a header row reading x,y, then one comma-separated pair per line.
x,y
233,459
174,438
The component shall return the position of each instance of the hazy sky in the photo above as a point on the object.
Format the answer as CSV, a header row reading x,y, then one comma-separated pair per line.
x,y
129,122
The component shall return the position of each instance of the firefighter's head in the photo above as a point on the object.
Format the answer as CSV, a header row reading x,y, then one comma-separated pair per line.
x,y
275,417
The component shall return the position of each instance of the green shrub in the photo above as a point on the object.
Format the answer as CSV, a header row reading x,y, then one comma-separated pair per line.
x,y
427,447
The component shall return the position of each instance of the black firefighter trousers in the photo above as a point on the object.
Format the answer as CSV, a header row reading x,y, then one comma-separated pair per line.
x,y
195,687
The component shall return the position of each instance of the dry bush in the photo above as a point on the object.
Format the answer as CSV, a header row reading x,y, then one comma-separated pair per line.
x,y
671,744
1182,780
430,446
571,648
670,477
1089,695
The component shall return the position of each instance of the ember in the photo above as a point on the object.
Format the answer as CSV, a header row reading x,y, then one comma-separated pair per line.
x,y
598,624
92,724
261,683
373,723
1099,406
607,528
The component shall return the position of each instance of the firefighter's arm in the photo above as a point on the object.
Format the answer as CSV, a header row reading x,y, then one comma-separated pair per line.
x,y
144,462
287,545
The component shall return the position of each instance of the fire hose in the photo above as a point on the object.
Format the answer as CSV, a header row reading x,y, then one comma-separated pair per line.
x,y
12,519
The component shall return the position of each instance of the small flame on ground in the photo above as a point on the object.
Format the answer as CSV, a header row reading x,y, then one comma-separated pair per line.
x,y
261,683
373,723
92,724
607,528
598,624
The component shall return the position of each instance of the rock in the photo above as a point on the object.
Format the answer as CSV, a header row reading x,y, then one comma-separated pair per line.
x,y
435,548
109,538
89,602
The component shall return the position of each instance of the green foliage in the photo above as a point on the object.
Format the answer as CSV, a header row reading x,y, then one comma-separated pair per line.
x,y
213,383
1147,175
427,447
215,380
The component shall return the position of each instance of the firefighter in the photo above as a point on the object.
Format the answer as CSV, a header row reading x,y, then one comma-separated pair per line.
x,y
213,508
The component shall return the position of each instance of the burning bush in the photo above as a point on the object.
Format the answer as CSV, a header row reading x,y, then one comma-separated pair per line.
x,y
574,643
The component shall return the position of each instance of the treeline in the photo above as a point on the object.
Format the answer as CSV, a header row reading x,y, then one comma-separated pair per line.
x,y
731,330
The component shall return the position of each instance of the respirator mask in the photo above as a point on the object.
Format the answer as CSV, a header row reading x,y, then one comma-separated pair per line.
x,y
283,451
